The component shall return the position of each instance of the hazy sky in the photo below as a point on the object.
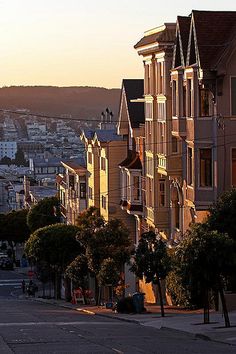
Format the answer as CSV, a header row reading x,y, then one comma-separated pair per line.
x,y
81,42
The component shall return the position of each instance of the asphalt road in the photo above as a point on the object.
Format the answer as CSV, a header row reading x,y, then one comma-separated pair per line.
x,y
30,327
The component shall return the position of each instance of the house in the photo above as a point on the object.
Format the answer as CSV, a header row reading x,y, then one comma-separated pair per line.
x,y
131,126
203,79
72,190
156,49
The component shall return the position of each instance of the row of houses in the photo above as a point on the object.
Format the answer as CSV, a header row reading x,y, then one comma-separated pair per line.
x,y
173,151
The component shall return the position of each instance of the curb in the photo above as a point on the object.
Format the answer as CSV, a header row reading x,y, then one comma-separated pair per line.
x,y
88,312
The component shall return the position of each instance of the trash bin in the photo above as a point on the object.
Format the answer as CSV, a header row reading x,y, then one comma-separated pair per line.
x,y
138,300
17,262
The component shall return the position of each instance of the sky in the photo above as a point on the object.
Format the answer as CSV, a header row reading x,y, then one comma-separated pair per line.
x,y
82,42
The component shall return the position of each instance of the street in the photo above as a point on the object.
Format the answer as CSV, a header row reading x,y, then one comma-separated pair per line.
x,y
28,326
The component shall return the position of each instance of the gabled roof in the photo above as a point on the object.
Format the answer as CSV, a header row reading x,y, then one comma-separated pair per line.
x,y
160,34
107,135
181,45
133,89
75,165
213,31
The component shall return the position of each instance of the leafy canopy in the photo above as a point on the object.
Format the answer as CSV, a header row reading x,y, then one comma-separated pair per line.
x,y
55,245
223,214
205,256
45,212
14,226
151,259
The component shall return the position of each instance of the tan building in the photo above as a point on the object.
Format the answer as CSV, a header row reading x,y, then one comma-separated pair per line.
x,y
156,49
131,126
203,79
72,190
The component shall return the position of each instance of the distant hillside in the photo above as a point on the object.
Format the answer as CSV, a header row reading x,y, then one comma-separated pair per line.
x,y
81,102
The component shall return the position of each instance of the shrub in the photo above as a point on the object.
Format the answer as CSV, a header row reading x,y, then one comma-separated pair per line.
x,y
178,293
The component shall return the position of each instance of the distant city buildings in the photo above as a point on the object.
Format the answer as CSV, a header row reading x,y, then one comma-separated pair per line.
x,y
8,149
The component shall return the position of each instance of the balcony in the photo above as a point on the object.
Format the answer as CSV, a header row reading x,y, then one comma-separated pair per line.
x,y
174,165
179,126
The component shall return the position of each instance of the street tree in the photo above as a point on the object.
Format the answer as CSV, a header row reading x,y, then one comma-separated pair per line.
x,y
78,272
14,228
222,215
56,246
206,258
102,240
152,262
45,212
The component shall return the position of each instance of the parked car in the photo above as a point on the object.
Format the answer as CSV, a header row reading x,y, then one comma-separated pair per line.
x,y
6,262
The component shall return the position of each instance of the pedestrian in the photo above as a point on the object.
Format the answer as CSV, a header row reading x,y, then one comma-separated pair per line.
x,y
23,286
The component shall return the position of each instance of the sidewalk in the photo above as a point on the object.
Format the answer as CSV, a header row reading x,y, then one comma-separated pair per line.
x,y
190,322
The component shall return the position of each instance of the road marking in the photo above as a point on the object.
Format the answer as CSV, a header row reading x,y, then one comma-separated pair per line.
x,y
117,351
9,284
24,324
10,280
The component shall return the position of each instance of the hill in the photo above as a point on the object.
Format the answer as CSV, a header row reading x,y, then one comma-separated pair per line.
x,y
80,102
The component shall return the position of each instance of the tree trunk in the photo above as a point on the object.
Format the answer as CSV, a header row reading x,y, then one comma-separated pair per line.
x,y
97,292
160,297
67,285
206,306
224,307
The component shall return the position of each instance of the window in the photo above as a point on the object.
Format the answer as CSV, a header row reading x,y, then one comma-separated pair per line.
x,y
90,193
104,202
149,166
82,190
136,188
174,145
90,157
189,87
190,166
148,110
204,103
161,192
174,98
233,96
150,192
161,111
71,181
205,168
103,163
233,169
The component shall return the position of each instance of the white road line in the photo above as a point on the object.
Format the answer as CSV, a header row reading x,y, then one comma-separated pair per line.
x,y
9,284
10,280
24,324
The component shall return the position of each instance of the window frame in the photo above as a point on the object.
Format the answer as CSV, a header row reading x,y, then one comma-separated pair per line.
x,y
209,187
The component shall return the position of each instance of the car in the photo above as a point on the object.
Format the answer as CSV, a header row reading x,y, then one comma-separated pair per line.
x,y
6,262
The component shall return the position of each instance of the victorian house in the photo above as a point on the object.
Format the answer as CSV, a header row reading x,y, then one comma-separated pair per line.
x,y
203,79
72,187
131,126
161,148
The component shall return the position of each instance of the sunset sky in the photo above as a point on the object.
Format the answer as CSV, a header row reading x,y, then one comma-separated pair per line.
x,y
75,42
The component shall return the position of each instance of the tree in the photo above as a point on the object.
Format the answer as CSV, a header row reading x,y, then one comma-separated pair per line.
x,y
46,212
14,228
152,262
56,246
78,272
206,258
223,214
102,241
20,158
6,161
